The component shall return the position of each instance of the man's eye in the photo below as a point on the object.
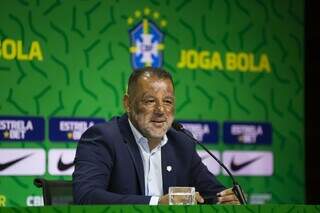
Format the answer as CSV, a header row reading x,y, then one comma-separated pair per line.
x,y
168,101
149,101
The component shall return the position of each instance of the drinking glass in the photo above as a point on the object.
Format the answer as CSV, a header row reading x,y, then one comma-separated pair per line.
x,y
181,195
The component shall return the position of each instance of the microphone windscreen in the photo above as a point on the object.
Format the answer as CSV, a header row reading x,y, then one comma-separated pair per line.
x,y
177,126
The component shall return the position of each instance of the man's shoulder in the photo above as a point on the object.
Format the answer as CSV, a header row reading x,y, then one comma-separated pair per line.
x,y
180,140
104,126
109,128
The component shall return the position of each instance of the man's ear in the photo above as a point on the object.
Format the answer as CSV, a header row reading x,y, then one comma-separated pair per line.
x,y
126,103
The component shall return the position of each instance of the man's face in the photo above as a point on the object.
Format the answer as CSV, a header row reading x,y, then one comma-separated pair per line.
x,y
151,106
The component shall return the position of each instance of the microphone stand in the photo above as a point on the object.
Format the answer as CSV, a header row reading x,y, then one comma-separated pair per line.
x,y
236,186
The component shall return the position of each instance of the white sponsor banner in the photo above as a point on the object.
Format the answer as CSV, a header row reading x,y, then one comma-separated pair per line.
x,y
198,130
249,163
22,161
260,198
61,161
212,165
34,200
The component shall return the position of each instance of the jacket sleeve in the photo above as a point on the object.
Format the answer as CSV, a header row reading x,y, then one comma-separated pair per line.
x,y
93,166
204,181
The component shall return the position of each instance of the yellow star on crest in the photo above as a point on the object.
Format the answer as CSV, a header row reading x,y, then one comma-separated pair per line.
x,y
147,11
137,13
156,15
163,23
130,20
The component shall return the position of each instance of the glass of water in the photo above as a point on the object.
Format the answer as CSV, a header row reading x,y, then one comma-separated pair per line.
x,y
182,195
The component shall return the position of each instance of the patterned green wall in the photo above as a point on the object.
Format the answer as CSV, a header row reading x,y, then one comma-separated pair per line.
x,y
84,46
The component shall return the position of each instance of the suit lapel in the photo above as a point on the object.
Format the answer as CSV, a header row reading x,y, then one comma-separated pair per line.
x,y
133,149
168,167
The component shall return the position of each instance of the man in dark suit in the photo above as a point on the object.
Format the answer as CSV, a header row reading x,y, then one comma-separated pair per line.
x,y
135,158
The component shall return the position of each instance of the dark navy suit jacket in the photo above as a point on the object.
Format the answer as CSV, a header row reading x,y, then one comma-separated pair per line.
x,y
109,169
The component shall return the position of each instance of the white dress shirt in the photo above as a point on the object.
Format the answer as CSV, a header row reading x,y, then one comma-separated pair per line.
x,y
151,165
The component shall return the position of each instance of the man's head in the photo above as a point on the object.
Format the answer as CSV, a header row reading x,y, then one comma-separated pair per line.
x,y
150,102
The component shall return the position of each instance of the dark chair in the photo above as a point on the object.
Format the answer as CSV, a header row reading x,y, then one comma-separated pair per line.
x,y
55,192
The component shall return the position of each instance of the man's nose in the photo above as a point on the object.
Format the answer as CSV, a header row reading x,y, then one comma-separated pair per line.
x,y
159,108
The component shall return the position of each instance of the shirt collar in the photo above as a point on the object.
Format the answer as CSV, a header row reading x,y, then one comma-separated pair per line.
x,y
139,138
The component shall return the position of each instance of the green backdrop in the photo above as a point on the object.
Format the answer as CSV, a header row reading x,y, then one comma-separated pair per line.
x,y
72,59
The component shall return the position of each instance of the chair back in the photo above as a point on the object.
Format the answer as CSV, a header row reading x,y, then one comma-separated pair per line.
x,y
55,192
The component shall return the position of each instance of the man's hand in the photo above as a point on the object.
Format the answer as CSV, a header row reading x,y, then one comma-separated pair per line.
x,y
199,198
165,198
227,196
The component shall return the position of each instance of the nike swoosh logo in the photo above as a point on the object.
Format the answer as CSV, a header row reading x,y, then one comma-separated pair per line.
x,y
6,165
64,166
235,167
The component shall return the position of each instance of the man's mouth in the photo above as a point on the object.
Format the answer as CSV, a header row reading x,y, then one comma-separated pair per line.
x,y
158,122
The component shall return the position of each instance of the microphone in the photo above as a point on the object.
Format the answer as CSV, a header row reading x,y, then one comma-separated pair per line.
x,y
236,187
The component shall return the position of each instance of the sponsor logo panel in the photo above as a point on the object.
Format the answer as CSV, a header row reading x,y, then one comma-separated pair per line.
x,y
61,161
260,198
21,128
205,132
247,133
22,161
249,163
212,165
34,200
70,129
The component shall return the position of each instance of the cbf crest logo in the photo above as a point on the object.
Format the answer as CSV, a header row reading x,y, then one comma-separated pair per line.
x,y
146,38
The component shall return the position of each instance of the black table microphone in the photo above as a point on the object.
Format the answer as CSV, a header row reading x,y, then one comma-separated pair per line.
x,y
236,187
